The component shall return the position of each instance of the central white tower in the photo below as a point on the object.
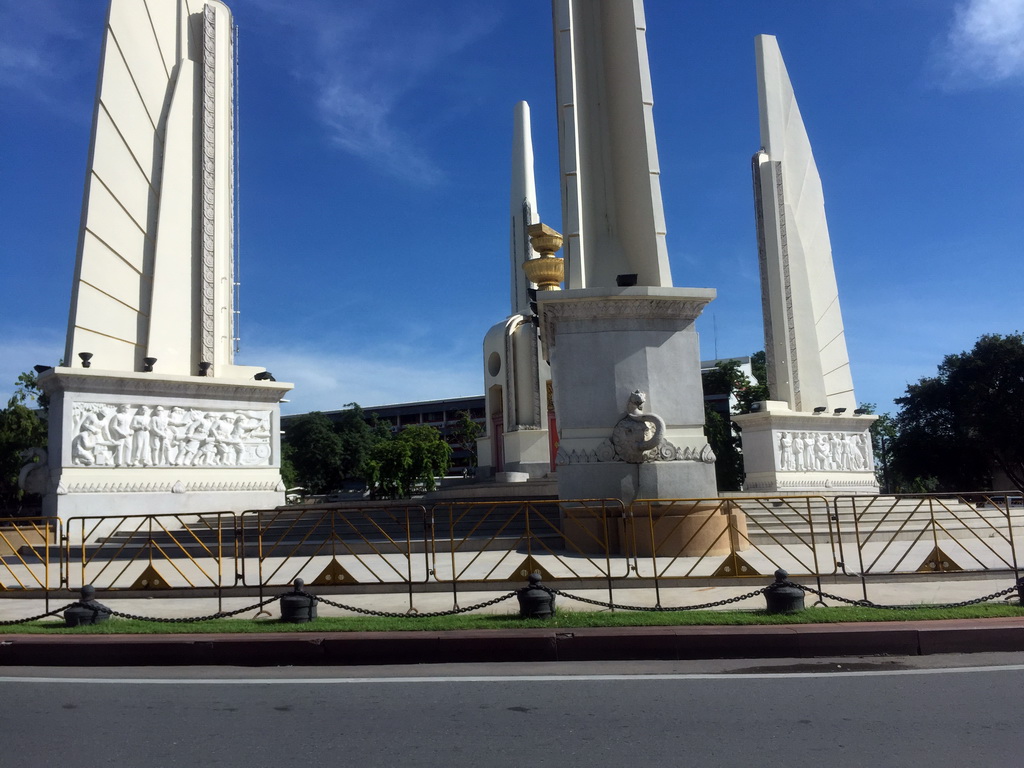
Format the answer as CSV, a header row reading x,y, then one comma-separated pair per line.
x,y
620,327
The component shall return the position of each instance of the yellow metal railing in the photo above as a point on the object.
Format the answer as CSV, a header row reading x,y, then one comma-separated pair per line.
x,y
26,545
151,552
589,540
929,533
332,546
506,541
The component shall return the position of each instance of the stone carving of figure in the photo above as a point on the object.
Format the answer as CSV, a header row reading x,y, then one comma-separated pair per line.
x,y
196,436
786,452
161,436
809,451
142,455
90,433
224,440
798,452
240,431
822,459
865,449
843,450
855,458
121,435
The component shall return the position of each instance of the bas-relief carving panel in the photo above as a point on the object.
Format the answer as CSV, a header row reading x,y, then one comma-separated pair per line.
x,y
824,452
108,435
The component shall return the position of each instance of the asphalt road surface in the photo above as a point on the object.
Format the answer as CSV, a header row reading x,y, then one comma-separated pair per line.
x,y
933,711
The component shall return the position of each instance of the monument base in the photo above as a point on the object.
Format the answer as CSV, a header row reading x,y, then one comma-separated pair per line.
x,y
691,529
788,452
604,345
679,529
126,443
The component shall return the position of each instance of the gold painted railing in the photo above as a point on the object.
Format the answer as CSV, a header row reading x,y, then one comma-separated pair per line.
x,y
483,545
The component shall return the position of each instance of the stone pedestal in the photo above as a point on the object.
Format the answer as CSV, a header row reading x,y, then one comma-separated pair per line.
x,y
789,452
126,443
603,345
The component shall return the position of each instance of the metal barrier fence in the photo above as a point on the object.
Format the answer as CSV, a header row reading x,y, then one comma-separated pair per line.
x,y
491,544
893,535
155,552
330,546
26,548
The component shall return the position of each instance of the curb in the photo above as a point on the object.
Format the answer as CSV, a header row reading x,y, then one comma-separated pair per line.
x,y
915,638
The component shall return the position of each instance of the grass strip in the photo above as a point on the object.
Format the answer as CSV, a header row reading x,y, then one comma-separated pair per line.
x,y
564,619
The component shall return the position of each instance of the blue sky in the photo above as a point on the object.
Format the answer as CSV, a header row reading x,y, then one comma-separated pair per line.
x,y
374,153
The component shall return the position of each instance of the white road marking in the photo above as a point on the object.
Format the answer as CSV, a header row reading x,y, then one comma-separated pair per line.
x,y
501,678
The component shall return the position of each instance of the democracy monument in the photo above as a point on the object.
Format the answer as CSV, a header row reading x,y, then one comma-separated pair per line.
x,y
148,411
598,383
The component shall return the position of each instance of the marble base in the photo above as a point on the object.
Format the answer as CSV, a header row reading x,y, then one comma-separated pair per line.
x,y
143,443
602,345
789,452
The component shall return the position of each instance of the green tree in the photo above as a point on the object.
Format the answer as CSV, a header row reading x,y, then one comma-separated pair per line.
x,y
357,440
21,428
409,461
955,428
726,378
726,444
465,433
316,453
883,433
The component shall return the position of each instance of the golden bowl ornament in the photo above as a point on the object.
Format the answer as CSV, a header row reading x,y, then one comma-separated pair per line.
x,y
547,271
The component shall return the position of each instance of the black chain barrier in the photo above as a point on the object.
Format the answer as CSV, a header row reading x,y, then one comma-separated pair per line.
x,y
655,608
882,607
55,612
755,593
391,615
186,620
97,608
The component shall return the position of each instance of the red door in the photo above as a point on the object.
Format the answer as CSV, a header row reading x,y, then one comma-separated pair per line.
x,y
498,442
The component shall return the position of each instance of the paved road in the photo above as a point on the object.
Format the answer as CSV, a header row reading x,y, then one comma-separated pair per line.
x,y
842,712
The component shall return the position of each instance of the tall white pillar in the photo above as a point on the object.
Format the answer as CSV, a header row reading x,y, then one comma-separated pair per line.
x,y
808,437
149,412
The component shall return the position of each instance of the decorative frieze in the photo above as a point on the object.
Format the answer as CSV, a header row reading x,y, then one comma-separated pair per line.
x,y
171,487
209,180
809,451
124,435
628,307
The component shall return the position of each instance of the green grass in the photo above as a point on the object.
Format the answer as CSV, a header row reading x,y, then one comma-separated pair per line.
x,y
564,619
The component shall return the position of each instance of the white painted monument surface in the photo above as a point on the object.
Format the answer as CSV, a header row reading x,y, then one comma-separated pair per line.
x,y
619,327
808,437
149,412
808,365
516,377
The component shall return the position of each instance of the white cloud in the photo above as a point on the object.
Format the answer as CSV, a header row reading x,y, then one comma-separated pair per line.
x,y
39,45
363,60
985,43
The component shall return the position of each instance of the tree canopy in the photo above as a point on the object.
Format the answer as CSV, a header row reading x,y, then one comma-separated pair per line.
x,y
324,454
955,428
21,428
408,462
726,378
